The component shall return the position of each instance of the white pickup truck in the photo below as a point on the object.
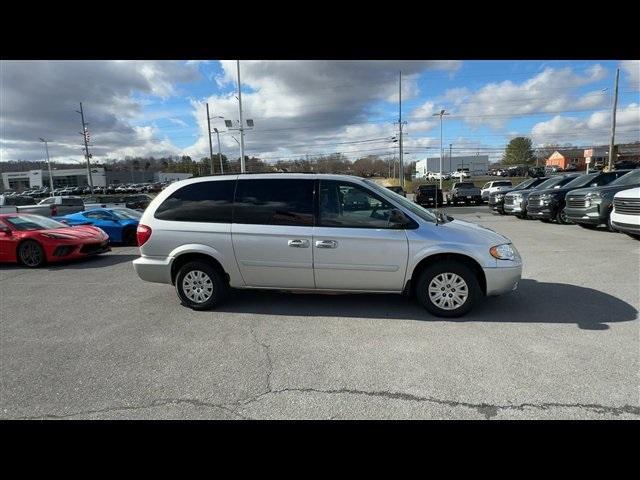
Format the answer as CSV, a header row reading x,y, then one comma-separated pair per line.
x,y
49,207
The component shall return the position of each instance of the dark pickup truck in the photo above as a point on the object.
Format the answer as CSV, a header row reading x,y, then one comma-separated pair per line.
x,y
426,195
464,192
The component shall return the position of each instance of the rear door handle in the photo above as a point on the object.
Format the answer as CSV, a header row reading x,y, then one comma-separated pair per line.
x,y
299,243
326,244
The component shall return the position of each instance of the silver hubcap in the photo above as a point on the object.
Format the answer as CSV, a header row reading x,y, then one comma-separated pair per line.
x,y
197,286
448,291
30,254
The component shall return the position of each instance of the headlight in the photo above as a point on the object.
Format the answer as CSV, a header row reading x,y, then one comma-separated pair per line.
x,y
499,196
503,252
517,196
594,195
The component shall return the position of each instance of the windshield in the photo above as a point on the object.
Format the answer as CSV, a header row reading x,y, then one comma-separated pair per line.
x,y
126,214
464,185
524,184
628,179
423,213
424,188
502,184
581,181
552,182
34,222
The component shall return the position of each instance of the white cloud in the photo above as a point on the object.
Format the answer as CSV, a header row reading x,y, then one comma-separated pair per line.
x,y
594,129
632,70
302,107
549,91
40,98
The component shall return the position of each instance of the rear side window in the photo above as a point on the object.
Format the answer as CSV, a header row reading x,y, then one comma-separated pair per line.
x,y
274,202
502,184
199,202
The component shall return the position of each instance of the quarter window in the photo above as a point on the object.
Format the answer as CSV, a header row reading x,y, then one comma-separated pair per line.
x,y
199,202
350,206
274,202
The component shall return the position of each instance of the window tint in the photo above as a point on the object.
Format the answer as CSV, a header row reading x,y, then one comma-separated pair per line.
x,y
199,202
350,206
274,202
502,184
72,201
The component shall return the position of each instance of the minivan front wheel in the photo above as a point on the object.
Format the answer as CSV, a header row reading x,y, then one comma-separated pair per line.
x,y
448,289
200,286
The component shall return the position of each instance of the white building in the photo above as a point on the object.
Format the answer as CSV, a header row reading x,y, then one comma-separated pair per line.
x,y
475,164
67,177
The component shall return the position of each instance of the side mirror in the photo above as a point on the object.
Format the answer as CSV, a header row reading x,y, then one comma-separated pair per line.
x,y
397,219
64,221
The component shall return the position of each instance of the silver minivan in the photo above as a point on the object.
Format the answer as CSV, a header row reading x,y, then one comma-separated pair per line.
x,y
321,233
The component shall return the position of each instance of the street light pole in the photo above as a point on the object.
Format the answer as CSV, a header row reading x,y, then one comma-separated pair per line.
x,y
242,165
440,114
219,151
613,121
210,146
46,147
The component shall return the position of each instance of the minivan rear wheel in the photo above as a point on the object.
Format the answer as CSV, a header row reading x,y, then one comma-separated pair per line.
x,y
200,286
448,289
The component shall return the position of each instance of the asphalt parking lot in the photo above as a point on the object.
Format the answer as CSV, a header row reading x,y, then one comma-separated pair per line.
x,y
89,340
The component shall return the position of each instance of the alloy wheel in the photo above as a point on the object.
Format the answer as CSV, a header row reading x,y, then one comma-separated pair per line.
x,y
448,291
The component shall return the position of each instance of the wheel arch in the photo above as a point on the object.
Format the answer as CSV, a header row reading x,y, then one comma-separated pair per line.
x,y
437,257
29,239
190,256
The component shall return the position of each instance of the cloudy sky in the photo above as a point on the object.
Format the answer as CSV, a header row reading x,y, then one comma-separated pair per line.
x,y
309,107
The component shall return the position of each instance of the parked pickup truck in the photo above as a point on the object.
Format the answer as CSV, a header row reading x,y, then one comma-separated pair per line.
x,y
49,207
10,203
464,192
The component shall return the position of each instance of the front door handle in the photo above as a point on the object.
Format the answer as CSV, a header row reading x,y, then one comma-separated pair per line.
x,y
326,244
299,243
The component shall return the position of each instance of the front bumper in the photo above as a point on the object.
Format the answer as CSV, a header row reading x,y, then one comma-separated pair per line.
x,y
542,212
154,269
589,215
513,208
502,279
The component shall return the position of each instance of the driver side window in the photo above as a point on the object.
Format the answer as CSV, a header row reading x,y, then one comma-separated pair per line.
x,y
347,205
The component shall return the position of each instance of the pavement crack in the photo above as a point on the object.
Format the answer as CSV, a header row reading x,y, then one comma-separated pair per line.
x,y
267,354
487,410
155,403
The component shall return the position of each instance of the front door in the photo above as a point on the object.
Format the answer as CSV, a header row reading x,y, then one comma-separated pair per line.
x,y
272,232
354,247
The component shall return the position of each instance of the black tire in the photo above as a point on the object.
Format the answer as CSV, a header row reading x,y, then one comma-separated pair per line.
x,y
545,220
561,217
588,226
129,237
449,266
219,292
634,235
31,254
610,226
501,211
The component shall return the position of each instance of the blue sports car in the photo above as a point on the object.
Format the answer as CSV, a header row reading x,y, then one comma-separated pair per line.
x,y
119,223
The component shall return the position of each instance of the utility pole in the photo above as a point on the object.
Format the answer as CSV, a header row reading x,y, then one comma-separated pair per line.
x,y
401,166
613,121
210,145
46,147
84,134
450,147
242,166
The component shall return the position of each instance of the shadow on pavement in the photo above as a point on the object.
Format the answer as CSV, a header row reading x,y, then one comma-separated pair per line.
x,y
98,261
533,302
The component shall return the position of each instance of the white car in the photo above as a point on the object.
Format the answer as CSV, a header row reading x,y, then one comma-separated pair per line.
x,y
436,176
495,187
625,216
460,175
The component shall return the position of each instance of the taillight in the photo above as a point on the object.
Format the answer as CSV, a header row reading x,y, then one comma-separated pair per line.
x,y
143,234
54,210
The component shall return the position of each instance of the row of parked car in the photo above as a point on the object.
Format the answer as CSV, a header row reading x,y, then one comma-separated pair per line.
x,y
62,205
609,199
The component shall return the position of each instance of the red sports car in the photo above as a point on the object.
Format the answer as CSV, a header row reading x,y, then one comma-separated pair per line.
x,y
33,240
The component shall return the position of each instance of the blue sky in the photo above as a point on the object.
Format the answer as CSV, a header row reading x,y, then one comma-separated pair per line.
x,y
315,107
